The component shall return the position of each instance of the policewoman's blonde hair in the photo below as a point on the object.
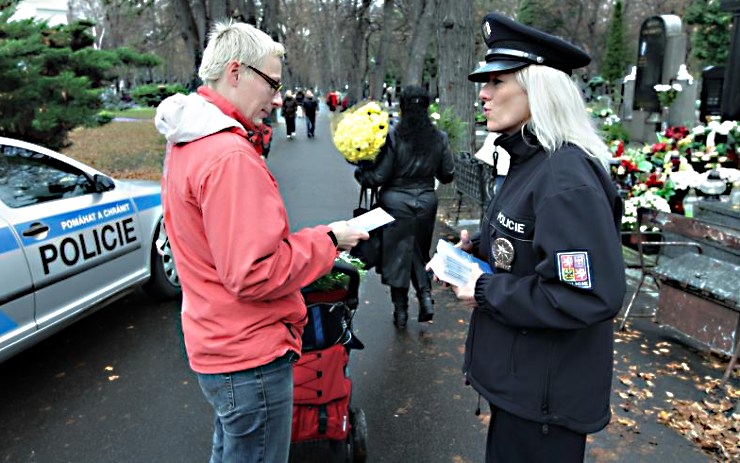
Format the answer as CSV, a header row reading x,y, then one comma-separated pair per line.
x,y
235,41
559,113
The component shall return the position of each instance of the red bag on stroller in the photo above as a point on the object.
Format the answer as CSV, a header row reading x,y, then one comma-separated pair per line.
x,y
321,395
326,428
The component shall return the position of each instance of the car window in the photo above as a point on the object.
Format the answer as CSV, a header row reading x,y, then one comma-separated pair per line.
x,y
28,177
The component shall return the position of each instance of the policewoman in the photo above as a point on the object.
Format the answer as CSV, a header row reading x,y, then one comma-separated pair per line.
x,y
540,342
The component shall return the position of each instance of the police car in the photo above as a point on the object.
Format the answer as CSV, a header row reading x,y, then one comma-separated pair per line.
x,y
71,241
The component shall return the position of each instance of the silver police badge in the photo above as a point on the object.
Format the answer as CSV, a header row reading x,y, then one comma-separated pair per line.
x,y
503,253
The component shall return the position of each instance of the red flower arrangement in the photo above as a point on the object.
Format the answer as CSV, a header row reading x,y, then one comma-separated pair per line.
x,y
620,149
629,166
654,180
677,133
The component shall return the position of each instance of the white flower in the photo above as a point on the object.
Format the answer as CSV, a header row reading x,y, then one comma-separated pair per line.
x,y
647,199
676,87
726,174
698,130
684,179
661,87
611,119
725,127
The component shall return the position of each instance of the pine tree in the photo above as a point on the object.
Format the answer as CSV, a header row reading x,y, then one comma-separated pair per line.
x,y
614,65
530,14
710,39
527,12
50,79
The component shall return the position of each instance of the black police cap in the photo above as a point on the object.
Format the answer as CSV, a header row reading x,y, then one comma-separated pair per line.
x,y
512,46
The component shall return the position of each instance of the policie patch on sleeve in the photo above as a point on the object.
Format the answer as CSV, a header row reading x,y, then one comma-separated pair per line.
x,y
574,267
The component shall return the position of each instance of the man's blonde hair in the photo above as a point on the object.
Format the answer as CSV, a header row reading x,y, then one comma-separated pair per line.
x,y
235,41
559,113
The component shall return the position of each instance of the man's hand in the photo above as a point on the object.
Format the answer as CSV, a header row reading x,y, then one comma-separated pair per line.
x,y
347,237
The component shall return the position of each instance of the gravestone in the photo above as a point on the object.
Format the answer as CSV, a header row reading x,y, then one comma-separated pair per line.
x,y
731,86
683,110
628,95
661,51
712,79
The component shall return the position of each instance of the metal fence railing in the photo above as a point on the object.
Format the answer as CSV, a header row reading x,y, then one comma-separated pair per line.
x,y
473,179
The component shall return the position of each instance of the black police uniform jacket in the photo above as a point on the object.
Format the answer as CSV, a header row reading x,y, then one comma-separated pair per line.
x,y
405,173
540,341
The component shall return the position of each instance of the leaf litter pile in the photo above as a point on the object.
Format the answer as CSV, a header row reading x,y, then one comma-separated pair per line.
x,y
710,419
132,149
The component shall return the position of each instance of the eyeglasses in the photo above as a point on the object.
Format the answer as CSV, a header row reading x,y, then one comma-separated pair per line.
x,y
274,84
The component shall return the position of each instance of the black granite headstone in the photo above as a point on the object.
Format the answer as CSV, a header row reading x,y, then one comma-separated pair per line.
x,y
712,79
731,87
652,48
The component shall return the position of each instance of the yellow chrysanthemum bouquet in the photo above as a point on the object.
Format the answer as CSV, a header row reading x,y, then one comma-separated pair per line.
x,y
360,132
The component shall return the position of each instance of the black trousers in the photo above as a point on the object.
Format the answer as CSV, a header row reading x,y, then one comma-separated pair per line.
x,y
514,440
290,125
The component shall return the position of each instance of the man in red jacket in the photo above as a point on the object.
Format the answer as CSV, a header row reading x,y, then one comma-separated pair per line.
x,y
240,268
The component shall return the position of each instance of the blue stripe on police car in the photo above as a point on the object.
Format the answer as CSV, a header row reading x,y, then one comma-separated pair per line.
x,y
7,240
63,224
6,323
148,201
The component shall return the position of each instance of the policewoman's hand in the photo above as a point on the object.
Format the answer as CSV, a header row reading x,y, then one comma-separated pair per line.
x,y
466,294
465,243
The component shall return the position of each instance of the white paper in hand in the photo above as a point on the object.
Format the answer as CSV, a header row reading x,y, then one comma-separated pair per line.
x,y
371,220
453,265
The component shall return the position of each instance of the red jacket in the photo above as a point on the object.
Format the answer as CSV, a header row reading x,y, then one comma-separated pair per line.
x,y
240,268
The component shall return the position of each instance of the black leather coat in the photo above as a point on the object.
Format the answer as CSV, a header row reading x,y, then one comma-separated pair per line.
x,y
405,174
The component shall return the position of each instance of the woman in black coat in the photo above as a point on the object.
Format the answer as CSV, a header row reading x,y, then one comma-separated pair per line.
x,y
289,110
414,154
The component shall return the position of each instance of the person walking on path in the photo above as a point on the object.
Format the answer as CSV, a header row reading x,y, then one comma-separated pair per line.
x,y
541,342
332,100
299,98
289,111
240,268
414,154
310,108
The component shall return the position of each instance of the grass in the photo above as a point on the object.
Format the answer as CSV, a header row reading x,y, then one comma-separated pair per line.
x,y
136,113
122,149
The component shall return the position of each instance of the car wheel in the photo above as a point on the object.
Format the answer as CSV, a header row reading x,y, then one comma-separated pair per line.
x,y
164,283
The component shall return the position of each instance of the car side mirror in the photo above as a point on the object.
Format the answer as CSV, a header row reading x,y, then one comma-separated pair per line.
x,y
103,183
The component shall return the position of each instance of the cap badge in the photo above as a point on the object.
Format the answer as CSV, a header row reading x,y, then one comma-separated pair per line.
x,y
486,31
503,253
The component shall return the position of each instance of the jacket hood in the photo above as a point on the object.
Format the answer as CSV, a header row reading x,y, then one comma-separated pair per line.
x,y
185,118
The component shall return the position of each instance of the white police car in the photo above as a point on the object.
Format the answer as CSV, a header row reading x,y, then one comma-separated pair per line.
x,y
71,241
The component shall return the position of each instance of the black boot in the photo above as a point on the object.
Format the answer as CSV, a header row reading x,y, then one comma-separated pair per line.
x,y
400,298
426,305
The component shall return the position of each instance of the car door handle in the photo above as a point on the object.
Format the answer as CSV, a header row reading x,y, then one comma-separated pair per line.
x,y
36,228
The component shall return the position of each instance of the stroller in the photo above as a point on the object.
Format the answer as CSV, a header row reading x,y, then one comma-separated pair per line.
x,y
326,428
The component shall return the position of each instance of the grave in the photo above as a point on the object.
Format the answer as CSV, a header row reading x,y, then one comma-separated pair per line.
x,y
731,86
661,51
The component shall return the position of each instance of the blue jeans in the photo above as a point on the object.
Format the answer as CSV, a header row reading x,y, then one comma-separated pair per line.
x,y
254,412
310,125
